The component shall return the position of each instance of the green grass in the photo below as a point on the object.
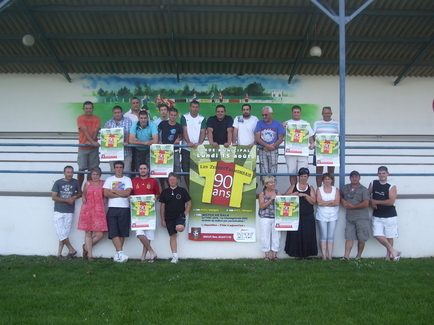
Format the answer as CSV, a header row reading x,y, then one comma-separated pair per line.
x,y
43,290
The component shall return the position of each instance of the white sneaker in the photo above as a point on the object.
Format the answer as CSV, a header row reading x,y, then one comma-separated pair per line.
x,y
123,258
116,258
174,260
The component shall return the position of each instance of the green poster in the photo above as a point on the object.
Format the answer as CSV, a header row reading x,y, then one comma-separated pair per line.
x,y
223,192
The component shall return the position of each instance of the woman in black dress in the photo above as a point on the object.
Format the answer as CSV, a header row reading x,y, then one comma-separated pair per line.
x,y
302,243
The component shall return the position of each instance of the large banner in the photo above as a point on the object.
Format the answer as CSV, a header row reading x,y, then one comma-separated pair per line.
x,y
327,149
297,139
143,215
223,192
161,160
112,144
287,213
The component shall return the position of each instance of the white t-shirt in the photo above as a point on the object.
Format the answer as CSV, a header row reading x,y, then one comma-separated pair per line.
x,y
324,213
194,126
326,127
291,121
114,183
246,129
133,117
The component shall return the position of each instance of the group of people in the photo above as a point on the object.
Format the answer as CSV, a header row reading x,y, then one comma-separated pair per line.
x,y
245,129
354,197
175,204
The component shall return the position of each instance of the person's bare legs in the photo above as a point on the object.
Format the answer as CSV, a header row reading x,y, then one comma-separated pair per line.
x,y
389,245
118,242
80,179
187,181
330,250
91,239
146,247
360,248
60,248
292,180
173,243
323,245
348,246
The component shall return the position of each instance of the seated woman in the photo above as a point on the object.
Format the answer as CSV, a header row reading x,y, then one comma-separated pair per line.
x,y
328,199
302,243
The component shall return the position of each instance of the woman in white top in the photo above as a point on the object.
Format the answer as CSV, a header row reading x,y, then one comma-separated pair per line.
x,y
328,198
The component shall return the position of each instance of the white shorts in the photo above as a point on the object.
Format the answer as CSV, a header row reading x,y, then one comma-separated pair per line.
x,y
62,223
386,227
294,163
150,234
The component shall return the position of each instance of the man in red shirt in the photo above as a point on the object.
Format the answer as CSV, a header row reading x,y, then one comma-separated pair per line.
x,y
88,128
143,185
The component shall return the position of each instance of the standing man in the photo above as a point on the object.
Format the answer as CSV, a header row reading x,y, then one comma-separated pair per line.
x,y
164,114
117,189
384,218
246,98
244,127
120,121
355,199
294,163
219,128
64,193
143,133
175,205
145,185
133,113
268,133
212,96
194,129
88,128
325,126
171,133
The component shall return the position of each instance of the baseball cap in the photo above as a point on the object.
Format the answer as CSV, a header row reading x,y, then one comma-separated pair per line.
x,y
354,172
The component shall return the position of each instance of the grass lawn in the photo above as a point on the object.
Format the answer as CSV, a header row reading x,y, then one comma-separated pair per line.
x,y
44,290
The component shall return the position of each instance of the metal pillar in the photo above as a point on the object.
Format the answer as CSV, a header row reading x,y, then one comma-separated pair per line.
x,y
342,20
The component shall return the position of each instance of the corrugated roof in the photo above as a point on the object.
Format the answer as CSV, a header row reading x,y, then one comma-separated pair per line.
x,y
388,38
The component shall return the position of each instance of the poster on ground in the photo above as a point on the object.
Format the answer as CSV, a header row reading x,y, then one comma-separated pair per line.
x,y
161,160
223,192
143,214
327,149
111,144
287,213
297,139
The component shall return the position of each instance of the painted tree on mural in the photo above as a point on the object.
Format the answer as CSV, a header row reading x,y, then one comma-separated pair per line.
x,y
255,89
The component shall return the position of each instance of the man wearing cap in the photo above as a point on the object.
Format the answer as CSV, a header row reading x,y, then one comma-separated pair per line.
x,y
355,199
384,217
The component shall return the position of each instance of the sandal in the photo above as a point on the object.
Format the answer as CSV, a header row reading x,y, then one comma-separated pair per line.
x,y
266,259
345,259
152,260
275,259
84,251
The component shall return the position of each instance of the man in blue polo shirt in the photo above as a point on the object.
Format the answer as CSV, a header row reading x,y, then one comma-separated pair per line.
x,y
143,133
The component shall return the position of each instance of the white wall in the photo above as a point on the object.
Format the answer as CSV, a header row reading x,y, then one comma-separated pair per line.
x,y
27,229
374,106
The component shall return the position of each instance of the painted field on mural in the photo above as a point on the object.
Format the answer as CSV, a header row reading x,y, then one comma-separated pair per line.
x,y
44,290
282,111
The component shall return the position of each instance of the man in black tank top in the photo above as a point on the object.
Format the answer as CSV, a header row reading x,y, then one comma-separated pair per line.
x,y
384,217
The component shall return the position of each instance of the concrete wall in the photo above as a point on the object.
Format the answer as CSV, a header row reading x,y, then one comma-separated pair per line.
x,y
374,106
27,229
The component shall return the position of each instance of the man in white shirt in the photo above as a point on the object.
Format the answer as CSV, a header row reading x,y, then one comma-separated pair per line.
x,y
117,189
194,130
244,127
324,126
294,163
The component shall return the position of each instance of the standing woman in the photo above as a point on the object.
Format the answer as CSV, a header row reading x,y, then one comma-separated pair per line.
x,y
92,215
270,238
302,243
328,199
